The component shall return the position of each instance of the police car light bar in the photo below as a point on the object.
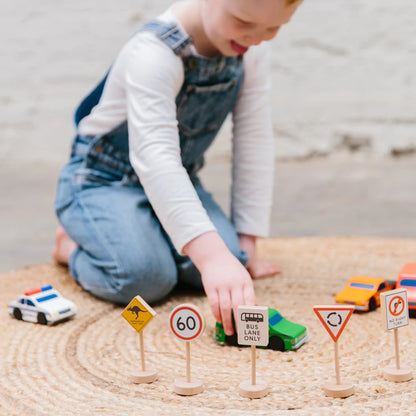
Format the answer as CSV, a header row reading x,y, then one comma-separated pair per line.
x,y
38,290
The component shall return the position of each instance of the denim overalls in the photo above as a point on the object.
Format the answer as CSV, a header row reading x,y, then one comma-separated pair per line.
x,y
123,249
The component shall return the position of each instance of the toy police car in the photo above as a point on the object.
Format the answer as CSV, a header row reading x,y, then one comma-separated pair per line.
x,y
44,305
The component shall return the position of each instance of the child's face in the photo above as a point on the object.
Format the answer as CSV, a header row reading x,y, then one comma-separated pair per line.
x,y
232,26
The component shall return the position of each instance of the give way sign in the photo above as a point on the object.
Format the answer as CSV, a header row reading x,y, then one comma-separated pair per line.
x,y
334,318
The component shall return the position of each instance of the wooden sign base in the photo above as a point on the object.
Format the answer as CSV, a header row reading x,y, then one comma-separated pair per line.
x,y
341,390
253,391
392,373
397,373
188,388
146,376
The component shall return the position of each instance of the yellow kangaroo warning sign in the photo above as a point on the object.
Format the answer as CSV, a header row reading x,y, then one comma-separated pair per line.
x,y
138,313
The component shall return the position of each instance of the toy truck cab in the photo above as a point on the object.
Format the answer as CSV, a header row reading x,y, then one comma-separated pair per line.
x,y
407,279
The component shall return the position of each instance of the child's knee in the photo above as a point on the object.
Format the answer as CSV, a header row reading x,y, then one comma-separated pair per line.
x,y
151,281
120,282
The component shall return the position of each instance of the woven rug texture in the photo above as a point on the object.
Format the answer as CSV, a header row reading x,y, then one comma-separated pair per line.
x,y
86,366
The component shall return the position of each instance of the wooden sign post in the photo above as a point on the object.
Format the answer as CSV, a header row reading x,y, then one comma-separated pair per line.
x,y
138,314
396,314
253,330
187,323
334,319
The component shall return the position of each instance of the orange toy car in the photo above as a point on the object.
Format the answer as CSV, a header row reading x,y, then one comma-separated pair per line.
x,y
364,292
407,280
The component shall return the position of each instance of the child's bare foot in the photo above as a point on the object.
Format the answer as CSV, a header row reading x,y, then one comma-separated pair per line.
x,y
64,247
264,269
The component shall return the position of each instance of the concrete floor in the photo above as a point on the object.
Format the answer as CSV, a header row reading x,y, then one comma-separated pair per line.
x,y
338,195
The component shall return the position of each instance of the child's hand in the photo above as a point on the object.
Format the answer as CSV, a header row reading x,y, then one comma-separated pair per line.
x,y
257,269
226,281
227,284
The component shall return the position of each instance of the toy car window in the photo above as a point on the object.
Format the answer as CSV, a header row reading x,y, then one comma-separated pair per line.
x,y
408,282
22,301
48,297
361,285
30,303
382,286
275,319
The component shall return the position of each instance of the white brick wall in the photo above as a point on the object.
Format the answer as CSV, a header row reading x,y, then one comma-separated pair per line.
x,y
344,76
343,73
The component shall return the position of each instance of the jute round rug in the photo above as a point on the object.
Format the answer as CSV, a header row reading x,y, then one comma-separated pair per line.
x,y
85,366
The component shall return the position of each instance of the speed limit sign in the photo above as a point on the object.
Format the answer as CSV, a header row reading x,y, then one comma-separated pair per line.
x,y
186,322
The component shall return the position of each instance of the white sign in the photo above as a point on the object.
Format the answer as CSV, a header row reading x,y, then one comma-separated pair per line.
x,y
253,325
186,322
334,318
394,305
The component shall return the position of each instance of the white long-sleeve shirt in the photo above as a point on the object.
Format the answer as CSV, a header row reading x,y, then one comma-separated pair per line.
x,y
141,88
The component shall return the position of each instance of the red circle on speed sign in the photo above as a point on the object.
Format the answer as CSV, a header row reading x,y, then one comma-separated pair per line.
x,y
396,305
186,322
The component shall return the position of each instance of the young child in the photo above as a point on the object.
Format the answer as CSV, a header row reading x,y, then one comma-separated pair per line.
x,y
135,217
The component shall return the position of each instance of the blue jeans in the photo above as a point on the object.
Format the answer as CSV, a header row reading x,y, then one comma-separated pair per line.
x,y
123,250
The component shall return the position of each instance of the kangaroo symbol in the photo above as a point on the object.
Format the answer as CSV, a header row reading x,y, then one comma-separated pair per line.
x,y
136,310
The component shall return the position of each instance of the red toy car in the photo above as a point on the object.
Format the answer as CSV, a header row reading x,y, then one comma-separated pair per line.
x,y
407,280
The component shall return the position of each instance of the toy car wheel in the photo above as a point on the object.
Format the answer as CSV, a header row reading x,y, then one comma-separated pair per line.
x,y
231,339
276,343
17,313
42,319
372,305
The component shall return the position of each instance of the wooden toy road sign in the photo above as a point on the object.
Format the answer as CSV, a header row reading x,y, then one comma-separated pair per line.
x,y
186,322
394,305
334,318
138,313
396,314
253,325
253,329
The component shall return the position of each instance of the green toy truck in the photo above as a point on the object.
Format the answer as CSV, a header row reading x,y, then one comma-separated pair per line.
x,y
284,335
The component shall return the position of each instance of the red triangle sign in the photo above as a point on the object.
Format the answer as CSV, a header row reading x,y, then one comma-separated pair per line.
x,y
334,318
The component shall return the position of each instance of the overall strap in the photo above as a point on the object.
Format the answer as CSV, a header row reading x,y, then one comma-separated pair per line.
x,y
169,33
90,101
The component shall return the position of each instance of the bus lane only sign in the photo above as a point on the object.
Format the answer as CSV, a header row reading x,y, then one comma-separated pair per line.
x,y
253,325
395,308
